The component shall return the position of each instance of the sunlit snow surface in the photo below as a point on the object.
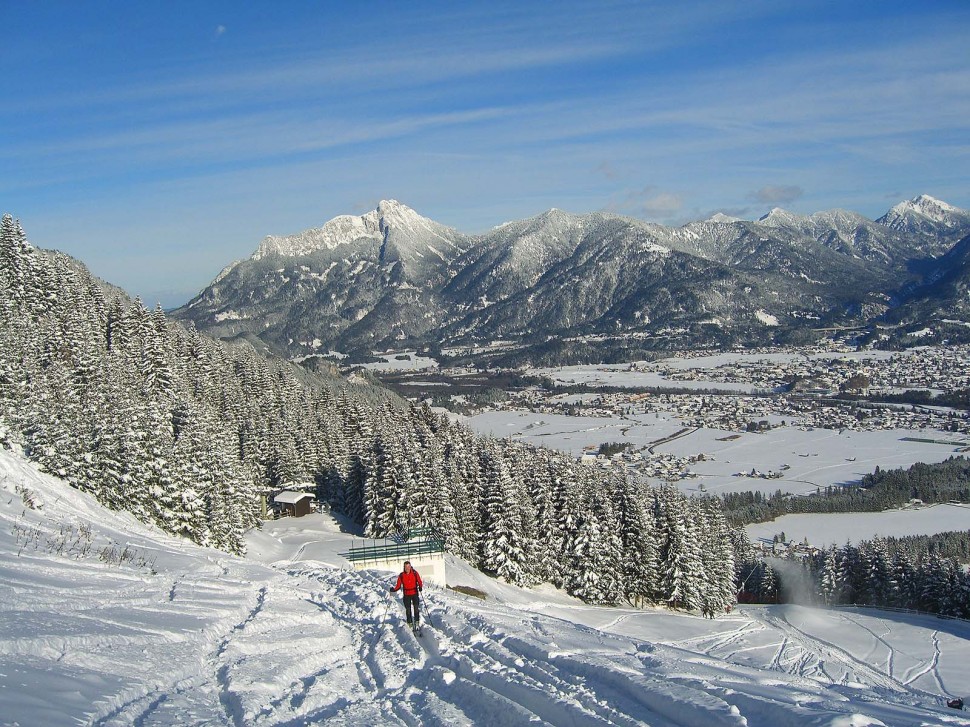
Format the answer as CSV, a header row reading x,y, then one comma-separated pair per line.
x,y
806,458
290,636
841,528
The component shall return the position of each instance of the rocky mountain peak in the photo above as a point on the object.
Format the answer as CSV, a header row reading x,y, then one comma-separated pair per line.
x,y
927,215
779,217
393,214
722,219
391,276
925,206
389,218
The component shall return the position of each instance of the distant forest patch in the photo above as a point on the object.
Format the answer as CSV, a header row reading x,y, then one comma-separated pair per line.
x,y
947,481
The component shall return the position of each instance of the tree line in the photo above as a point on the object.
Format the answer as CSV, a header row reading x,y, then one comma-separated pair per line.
x,y
920,573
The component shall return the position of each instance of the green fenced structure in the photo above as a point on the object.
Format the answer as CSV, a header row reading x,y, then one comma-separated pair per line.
x,y
424,547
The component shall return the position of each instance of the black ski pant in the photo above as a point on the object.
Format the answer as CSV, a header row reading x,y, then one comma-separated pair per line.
x,y
412,608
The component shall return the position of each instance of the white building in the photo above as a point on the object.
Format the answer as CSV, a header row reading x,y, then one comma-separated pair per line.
x,y
424,547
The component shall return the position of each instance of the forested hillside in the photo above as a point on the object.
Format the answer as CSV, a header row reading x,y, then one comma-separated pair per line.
x,y
186,432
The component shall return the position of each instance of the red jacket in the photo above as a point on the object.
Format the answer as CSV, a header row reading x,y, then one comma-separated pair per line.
x,y
411,582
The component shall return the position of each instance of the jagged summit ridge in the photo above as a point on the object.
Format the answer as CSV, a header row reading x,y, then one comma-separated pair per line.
x,y
719,218
778,217
390,217
338,231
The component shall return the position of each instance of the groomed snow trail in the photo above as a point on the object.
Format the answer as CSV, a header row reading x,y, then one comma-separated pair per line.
x,y
197,637
482,666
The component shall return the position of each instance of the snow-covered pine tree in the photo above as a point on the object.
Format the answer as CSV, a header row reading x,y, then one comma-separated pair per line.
x,y
681,567
567,502
462,488
183,431
768,585
503,548
828,580
717,557
639,546
539,490
595,566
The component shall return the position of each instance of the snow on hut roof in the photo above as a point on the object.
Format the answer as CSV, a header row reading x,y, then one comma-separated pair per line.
x,y
291,498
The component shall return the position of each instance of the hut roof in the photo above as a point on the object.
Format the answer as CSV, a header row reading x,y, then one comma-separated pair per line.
x,y
291,498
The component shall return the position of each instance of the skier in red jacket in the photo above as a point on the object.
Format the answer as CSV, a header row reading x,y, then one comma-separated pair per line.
x,y
410,581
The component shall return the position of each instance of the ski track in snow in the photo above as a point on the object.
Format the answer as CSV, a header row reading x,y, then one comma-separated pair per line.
x,y
215,640
932,667
877,641
810,654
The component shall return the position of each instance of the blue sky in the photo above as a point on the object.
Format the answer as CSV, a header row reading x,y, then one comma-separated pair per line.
x,y
158,142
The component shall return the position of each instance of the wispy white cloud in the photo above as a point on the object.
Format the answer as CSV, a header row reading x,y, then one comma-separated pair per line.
x,y
650,202
833,98
664,205
251,137
509,112
776,194
316,76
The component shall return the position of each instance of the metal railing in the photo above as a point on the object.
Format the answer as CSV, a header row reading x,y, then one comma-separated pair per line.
x,y
422,541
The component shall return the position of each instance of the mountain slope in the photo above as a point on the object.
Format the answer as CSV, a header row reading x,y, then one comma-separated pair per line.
x,y
356,279
942,293
392,278
176,634
927,217
194,435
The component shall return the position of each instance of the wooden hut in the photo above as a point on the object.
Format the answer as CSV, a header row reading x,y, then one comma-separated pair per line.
x,y
295,504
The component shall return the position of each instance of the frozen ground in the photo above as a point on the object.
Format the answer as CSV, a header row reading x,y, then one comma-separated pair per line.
x,y
180,635
807,459
839,529
410,362
573,434
620,375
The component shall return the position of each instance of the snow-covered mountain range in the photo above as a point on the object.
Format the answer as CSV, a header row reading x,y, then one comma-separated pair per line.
x,y
394,278
107,621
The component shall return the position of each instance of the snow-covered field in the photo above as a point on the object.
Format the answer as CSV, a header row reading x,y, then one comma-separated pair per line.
x,y
408,361
574,433
620,375
806,458
174,634
841,528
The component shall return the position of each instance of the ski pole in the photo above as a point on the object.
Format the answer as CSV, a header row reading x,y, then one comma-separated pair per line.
x,y
421,607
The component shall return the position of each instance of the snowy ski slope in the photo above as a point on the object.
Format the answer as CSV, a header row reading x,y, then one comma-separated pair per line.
x,y
181,635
